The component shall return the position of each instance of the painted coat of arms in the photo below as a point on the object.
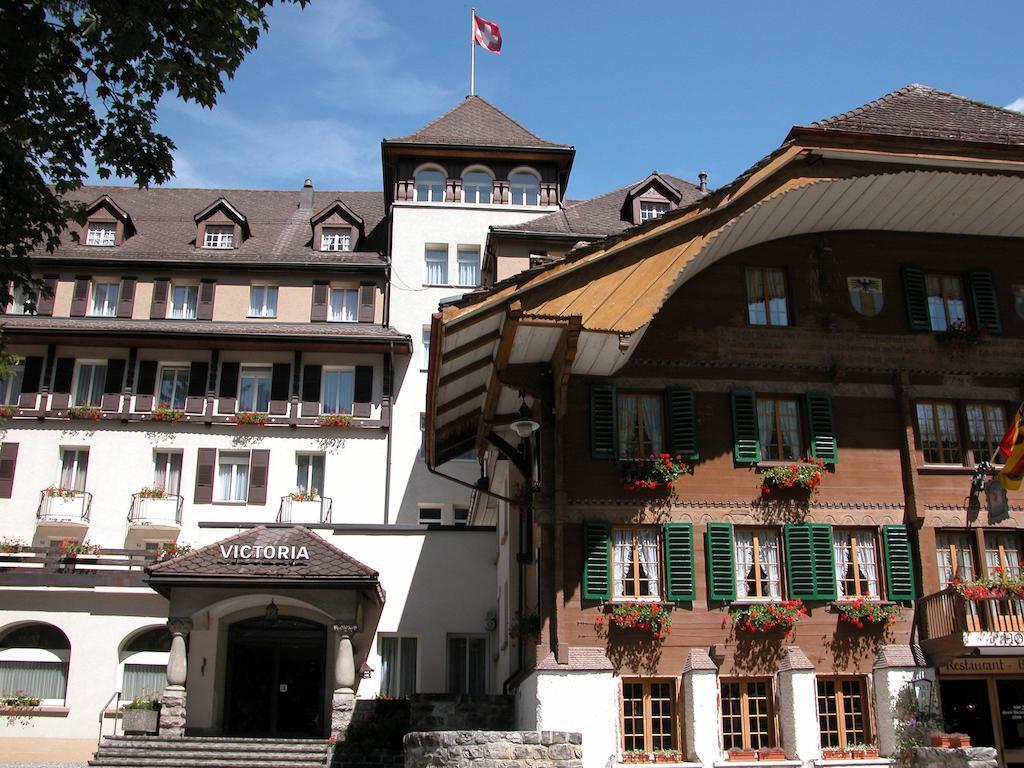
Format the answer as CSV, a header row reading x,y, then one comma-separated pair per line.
x,y
865,295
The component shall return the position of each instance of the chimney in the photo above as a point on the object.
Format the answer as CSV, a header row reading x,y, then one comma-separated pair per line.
x,y
306,195
703,176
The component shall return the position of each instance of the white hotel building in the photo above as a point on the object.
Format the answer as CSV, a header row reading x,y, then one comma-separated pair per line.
x,y
242,372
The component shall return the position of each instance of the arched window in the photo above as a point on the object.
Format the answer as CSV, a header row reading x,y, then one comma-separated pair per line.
x,y
34,659
524,187
430,185
144,662
477,186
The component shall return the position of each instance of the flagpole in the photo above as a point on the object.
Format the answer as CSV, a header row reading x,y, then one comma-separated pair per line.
x,y
472,52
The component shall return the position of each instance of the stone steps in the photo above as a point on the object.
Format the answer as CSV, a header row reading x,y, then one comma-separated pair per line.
x,y
208,752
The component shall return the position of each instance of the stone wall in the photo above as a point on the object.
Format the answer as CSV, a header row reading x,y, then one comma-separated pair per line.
x,y
451,712
484,749
941,757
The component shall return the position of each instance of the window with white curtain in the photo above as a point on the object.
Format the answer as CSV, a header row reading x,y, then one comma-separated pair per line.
x,y
778,420
10,387
398,660
254,388
635,560
232,476
89,381
104,299
436,257
144,661
344,305
856,563
219,236
651,210
34,659
337,387
955,553
183,302
1002,554
167,471
74,465
19,301
467,665
757,563
309,473
468,259
641,425
263,301
173,385
101,233
766,296
336,239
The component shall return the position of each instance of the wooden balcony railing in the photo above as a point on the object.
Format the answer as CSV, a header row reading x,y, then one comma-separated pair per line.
x,y
951,624
47,566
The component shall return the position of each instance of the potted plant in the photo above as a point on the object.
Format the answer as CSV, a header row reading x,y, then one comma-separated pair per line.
x,y
525,625
73,548
959,740
659,471
10,546
304,506
940,739
6,411
861,613
804,476
635,756
645,616
959,336
259,418
170,550
167,412
342,420
741,755
835,753
141,715
765,617
668,756
18,702
771,753
999,585
86,412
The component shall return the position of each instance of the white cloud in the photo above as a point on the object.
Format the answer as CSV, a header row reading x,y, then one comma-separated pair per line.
x,y
1017,105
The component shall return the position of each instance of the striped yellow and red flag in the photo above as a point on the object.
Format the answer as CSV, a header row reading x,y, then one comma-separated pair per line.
x,y
1012,447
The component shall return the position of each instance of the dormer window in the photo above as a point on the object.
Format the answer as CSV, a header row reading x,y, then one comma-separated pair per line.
x,y
101,233
651,210
219,236
430,186
524,188
336,239
477,187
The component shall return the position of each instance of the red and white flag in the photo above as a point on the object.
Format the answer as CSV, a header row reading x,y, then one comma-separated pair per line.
x,y
487,35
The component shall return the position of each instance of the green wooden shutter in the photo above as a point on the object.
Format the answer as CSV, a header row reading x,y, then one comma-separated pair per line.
x,y
682,423
746,447
597,561
983,299
602,421
899,563
679,577
916,296
810,561
823,435
721,557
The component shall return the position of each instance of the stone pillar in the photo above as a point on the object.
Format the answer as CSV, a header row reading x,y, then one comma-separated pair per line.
x,y
798,706
172,708
896,668
700,704
344,680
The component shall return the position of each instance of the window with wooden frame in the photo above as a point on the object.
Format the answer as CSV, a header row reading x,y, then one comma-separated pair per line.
x,y
843,711
946,305
778,420
856,557
101,233
986,425
1002,551
636,559
641,424
648,715
758,573
766,296
938,432
748,714
955,553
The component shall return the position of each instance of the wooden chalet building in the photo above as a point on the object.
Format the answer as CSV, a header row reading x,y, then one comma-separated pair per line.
x,y
852,306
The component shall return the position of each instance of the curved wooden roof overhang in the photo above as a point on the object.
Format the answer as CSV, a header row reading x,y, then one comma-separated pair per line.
x,y
586,315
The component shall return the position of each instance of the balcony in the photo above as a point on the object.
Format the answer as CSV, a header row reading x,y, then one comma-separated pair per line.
x,y
47,567
304,511
63,507
163,512
951,625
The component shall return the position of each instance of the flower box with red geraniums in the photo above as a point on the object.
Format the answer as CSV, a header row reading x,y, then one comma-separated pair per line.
x,y
341,420
73,548
18,701
258,418
57,492
636,756
999,586
151,492
668,756
170,550
835,753
10,546
6,411
860,613
803,476
166,412
766,617
863,751
740,755
86,412
649,617
771,753
310,495
659,471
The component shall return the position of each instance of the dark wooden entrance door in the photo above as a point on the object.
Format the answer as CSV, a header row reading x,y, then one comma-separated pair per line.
x,y
275,679
966,709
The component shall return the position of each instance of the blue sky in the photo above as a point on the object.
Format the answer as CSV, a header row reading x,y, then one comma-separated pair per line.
x,y
673,86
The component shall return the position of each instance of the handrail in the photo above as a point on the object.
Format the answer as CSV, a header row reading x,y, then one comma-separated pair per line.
x,y
116,698
133,511
284,510
948,612
45,500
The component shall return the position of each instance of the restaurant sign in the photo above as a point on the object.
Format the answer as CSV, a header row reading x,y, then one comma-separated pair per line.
x,y
975,665
263,552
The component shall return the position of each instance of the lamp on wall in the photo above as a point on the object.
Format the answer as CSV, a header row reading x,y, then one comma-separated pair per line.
x,y
270,616
525,425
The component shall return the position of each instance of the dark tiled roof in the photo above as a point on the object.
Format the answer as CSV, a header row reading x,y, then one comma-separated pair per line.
x,y
890,656
599,216
582,659
325,562
366,332
280,228
919,111
476,122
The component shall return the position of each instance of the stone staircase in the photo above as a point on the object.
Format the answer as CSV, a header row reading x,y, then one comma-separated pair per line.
x,y
209,752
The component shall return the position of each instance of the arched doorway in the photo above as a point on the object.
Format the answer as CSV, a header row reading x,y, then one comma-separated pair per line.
x,y
275,678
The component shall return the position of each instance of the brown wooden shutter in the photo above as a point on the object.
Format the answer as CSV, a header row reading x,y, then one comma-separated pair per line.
x,y
33,373
205,466
126,297
228,380
367,299
362,394
259,468
158,309
279,380
44,305
311,383
62,375
321,295
80,298
8,458
207,289
197,375
114,381
147,378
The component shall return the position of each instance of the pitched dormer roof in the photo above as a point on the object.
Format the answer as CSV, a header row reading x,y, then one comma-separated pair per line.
x,y
106,201
227,207
337,205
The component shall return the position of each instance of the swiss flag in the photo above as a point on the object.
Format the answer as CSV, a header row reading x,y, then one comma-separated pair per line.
x,y
487,34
